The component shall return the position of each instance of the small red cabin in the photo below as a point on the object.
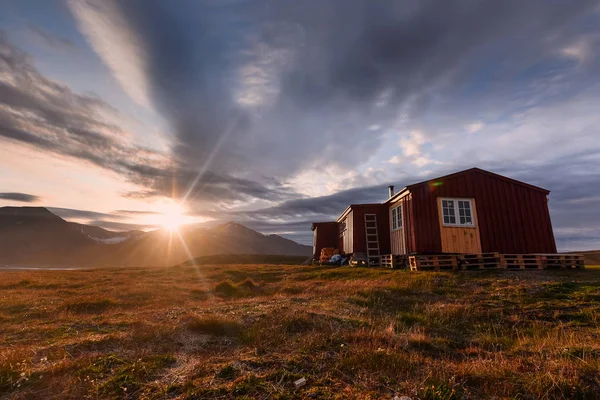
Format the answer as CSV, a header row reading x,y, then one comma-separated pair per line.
x,y
324,235
363,227
472,211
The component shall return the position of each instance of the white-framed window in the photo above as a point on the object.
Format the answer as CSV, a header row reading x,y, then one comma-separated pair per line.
x,y
457,212
342,228
396,218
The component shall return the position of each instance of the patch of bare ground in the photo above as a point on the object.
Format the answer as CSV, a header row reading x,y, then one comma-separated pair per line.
x,y
250,331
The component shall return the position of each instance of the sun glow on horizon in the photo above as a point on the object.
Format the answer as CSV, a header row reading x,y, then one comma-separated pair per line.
x,y
172,216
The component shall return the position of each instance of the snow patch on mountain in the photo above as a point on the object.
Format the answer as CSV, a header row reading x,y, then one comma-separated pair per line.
x,y
112,240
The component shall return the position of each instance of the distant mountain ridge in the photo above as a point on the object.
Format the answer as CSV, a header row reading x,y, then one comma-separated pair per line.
x,y
36,236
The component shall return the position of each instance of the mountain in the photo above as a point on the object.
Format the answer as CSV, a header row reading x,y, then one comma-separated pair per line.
x,y
165,248
35,236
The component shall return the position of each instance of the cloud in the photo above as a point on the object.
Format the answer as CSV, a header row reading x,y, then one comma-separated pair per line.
x,y
121,226
266,84
411,145
50,39
47,115
474,127
81,214
116,43
412,148
582,49
135,212
21,197
395,160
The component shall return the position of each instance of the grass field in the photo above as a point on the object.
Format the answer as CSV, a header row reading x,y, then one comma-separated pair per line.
x,y
250,331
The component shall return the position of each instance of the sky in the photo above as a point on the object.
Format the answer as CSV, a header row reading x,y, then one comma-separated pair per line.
x,y
277,113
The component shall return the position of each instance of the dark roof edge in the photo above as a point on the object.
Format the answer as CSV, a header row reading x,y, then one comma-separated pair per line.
x,y
313,225
351,206
396,196
492,174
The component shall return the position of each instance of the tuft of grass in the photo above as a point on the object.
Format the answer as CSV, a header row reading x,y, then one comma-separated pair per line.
x,y
228,372
90,307
198,294
226,289
214,325
116,377
434,389
245,288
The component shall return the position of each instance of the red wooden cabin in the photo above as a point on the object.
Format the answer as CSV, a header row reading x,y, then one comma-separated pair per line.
x,y
324,235
472,211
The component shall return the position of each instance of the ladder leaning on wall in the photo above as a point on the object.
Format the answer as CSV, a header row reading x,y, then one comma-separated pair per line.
x,y
372,239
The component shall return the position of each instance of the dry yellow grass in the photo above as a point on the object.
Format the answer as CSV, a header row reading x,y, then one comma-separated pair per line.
x,y
249,331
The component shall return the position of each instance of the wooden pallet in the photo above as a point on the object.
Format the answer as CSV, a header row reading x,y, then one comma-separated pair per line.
x,y
441,262
393,261
486,261
561,261
512,261
542,261
532,261
480,261
521,261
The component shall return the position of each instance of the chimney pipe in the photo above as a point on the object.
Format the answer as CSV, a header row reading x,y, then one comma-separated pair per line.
x,y
391,190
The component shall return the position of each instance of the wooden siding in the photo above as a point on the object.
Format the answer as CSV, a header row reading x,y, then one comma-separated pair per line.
x,y
350,226
346,237
512,218
359,240
324,235
398,238
460,239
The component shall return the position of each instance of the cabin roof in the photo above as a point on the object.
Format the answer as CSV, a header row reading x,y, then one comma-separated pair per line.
x,y
470,170
314,224
352,206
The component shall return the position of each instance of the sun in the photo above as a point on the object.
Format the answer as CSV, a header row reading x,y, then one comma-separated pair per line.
x,y
172,216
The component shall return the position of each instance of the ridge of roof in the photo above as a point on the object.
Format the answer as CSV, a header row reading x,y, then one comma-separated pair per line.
x,y
347,210
483,171
474,169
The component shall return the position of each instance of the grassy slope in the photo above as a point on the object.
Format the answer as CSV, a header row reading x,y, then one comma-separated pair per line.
x,y
249,331
591,257
246,259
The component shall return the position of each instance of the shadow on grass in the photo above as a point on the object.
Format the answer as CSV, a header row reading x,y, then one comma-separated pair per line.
x,y
246,288
91,307
216,326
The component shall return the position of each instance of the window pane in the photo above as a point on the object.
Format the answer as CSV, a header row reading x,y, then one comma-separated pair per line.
x,y
448,212
464,212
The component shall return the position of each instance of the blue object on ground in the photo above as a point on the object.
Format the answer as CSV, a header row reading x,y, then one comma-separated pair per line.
x,y
335,259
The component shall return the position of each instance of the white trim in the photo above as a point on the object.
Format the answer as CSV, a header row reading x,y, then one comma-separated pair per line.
x,y
456,215
399,218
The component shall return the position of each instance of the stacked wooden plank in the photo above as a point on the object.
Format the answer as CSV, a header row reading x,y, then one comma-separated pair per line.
x,y
487,261
393,261
561,261
479,261
512,261
521,261
441,262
